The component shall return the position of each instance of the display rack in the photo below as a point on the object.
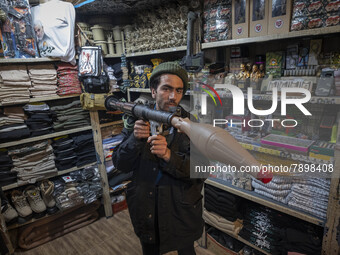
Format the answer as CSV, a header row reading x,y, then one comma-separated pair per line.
x,y
242,240
27,60
41,99
43,137
266,38
62,172
257,198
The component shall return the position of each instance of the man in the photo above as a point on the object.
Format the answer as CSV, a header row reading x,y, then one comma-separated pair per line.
x,y
164,203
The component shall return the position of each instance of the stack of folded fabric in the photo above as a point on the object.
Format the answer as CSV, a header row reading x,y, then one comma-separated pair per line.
x,y
85,149
40,118
310,195
278,188
222,203
64,151
44,80
262,227
109,144
304,240
70,116
33,161
230,227
68,82
12,124
14,84
6,164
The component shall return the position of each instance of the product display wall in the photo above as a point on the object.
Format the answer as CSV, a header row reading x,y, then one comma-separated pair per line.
x,y
301,59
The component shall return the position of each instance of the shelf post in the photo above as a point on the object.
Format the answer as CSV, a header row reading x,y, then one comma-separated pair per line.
x,y
97,138
330,244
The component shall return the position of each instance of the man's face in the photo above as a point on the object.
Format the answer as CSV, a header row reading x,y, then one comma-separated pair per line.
x,y
39,31
169,92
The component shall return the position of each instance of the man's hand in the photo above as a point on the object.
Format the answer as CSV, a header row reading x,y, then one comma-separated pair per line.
x,y
141,129
159,147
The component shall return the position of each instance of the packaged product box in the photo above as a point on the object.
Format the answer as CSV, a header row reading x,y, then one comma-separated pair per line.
x,y
258,18
274,63
279,16
240,19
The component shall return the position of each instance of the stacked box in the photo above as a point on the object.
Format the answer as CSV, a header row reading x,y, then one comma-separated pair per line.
x,y
217,20
309,14
322,150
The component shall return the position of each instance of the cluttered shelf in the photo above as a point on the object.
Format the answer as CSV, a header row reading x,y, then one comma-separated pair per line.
x,y
42,137
18,225
257,198
27,60
286,154
16,185
157,51
293,34
42,99
242,240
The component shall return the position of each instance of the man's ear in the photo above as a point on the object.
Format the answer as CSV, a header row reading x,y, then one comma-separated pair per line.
x,y
153,93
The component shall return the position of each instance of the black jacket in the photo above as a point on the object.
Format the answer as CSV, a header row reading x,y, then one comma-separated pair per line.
x,y
179,197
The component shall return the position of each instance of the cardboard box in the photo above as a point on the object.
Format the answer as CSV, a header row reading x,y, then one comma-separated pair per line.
x,y
279,12
240,19
258,18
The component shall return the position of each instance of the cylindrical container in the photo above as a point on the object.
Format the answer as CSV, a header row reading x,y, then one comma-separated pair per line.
x,y
119,47
103,44
111,48
117,33
98,33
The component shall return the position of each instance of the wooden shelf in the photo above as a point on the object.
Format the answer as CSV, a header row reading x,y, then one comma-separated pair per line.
x,y
293,34
242,240
266,97
42,99
257,198
17,225
158,51
16,185
118,122
27,60
279,153
42,137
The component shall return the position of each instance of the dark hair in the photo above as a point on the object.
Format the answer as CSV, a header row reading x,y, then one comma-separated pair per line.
x,y
155,82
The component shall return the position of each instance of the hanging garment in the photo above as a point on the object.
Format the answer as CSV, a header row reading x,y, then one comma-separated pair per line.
x,y
54,24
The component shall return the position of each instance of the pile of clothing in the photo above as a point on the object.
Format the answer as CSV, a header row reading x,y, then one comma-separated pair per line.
x,y
6,176
70,116
84,148
225,240
277,189
12,124
109,144
278,233
40,118
14,84
82,186
34,161
68,82
310,195
64,151
222,203
44,80
230,227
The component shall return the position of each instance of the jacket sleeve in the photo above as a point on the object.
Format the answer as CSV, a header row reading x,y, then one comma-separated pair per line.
x,y
127,154
187,156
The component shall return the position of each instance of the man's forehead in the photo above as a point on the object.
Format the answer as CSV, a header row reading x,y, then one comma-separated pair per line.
x,y
171,80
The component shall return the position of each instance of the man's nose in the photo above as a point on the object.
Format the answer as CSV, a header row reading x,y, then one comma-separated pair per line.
x,y
173,95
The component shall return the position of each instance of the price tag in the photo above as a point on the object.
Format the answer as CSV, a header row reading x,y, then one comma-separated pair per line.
x,y
154,51
174,49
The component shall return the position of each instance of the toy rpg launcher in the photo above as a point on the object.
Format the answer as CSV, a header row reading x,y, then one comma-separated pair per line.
x,y
213,142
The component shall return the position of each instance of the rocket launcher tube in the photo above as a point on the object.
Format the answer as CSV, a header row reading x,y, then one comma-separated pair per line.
x,y
213,142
